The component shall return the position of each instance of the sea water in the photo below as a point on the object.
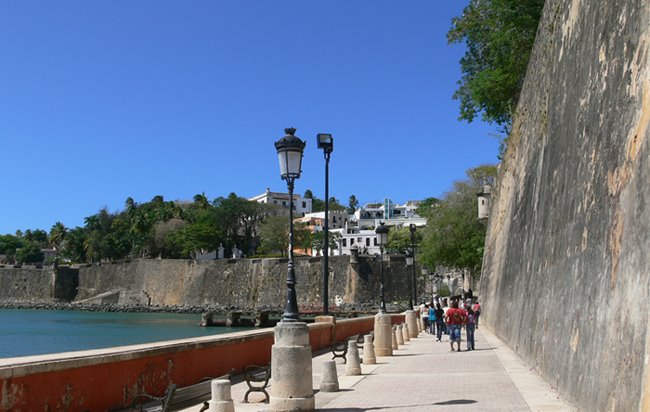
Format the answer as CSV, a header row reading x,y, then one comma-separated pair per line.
x,y
35,332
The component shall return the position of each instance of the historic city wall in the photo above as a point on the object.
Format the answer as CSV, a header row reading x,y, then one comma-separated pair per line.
x,y
566,275
31,285
244,282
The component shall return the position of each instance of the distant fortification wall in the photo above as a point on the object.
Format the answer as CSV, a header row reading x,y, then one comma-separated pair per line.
x,y
28,284
243,282
566,273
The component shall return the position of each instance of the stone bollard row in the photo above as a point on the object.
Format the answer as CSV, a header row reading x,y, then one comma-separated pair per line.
x,y
405,333
394,338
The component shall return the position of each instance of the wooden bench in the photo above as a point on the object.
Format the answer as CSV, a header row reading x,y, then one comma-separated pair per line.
x,y
176,398
259,375
340,349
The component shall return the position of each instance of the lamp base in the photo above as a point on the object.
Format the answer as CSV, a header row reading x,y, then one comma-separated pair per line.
x,y
292,388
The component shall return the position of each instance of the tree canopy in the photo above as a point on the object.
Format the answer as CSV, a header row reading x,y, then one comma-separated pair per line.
x,y
453,236
499,37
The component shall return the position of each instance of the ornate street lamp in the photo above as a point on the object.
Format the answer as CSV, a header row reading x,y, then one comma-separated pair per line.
x,y
290,149
382,238
415,286
409,263
326,142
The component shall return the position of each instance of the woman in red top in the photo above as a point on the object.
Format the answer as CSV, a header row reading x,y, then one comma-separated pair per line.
x,y
455,318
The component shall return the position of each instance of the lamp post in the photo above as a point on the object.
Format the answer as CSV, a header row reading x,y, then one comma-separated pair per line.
x,y
326,142
409,263
290,149
415,286
383,325
382,238
291,365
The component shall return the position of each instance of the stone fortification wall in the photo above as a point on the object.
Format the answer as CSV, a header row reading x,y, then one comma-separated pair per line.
x,y
243,282
26,284
566,278
31,285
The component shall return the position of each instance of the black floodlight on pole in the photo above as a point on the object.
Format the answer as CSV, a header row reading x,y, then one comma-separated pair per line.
x,y
290,149
382,238
326,142
409,263
415,286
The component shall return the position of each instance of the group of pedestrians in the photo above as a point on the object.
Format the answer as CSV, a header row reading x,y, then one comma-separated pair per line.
x,y
439,319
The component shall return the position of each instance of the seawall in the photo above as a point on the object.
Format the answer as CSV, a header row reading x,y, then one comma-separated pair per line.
x,y
108,379
566,277
244,282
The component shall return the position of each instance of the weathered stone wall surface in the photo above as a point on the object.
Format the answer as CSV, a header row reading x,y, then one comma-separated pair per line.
x,y
566,278
26,284
245,282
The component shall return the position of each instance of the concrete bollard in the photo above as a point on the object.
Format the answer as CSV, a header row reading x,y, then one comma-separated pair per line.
x,y
292,388
329,380
395,347
412,322
221,398
368,351
383,345
405,333
353,365
400,335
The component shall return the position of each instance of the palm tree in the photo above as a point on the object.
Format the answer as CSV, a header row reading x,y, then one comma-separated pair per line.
x,y
57,236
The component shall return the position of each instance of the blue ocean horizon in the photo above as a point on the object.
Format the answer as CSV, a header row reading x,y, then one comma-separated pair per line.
x,y
27,332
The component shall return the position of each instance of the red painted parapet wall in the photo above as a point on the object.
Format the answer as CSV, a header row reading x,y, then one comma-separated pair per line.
x,y
108,379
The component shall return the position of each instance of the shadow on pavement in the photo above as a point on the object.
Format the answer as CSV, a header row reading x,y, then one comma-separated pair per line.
x,y
456,402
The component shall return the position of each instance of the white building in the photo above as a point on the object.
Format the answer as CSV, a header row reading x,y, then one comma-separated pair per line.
x,y
337,219
360,231
300,205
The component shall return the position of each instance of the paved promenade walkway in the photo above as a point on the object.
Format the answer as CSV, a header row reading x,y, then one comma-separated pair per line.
x,y
424,375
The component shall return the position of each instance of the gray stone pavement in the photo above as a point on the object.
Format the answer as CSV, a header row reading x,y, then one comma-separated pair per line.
x,y
424,375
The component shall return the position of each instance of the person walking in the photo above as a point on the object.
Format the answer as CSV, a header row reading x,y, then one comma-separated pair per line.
x,y
455,319
424,314
440,321
469,328
477,312
432,320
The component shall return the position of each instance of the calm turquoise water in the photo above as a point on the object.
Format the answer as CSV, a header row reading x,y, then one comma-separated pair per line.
x,y
36,332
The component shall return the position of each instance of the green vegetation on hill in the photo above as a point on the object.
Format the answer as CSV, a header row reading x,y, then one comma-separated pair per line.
x,y
453,236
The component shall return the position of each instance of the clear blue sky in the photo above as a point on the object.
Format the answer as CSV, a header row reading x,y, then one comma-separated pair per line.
x,y
102,100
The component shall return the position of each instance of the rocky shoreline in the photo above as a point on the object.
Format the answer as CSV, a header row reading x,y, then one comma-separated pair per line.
x,y
105,307
182,309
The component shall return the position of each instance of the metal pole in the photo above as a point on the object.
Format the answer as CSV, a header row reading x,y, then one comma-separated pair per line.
x,y
382,304
291,309
326,229
415,286
410,287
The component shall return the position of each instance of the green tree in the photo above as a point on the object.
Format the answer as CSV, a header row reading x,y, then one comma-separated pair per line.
x,y
274,235
8,246
30,252
57,235
75,249
353,204
399,239
499,37
453,236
